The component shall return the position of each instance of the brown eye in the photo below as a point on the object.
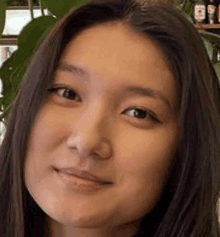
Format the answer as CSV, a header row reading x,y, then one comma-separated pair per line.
x,y
66,93
141,114
138,113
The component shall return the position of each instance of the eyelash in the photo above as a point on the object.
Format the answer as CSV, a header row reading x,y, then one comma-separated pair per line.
x,y
147,113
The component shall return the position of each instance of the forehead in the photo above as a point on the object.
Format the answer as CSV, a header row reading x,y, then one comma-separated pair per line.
x,y
117,54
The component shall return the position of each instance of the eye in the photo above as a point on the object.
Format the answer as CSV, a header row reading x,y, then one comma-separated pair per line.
x,y
142,114
65,92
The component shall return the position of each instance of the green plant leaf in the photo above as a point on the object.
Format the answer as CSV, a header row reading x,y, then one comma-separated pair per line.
x,y
15,67
209,47
11,73
2,15
177,2
188,8
33,32
188,17
61,7
214,39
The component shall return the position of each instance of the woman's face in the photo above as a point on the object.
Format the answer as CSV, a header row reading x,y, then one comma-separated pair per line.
x,y
114,116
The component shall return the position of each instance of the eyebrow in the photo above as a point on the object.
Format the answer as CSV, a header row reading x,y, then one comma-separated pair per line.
x,y
147,92
74,69
138,90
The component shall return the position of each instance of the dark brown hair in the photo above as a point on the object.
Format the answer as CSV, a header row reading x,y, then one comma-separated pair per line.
x,y
187,207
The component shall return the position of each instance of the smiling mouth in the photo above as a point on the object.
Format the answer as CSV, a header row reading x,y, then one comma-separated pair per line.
x,y
82,174
80,185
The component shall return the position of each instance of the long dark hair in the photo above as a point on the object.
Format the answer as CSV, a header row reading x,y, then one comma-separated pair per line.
x,y
187,207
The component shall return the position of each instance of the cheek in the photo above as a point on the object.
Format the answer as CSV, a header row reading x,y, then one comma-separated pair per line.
x,y
48,132
144,160
43,138
142,150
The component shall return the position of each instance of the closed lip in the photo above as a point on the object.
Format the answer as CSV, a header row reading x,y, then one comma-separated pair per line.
x,y
83,174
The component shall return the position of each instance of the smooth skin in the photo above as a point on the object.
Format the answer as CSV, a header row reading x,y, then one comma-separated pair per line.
x,y
96,123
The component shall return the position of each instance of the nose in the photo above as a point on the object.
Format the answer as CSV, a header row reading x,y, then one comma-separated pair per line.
x,y
90,135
